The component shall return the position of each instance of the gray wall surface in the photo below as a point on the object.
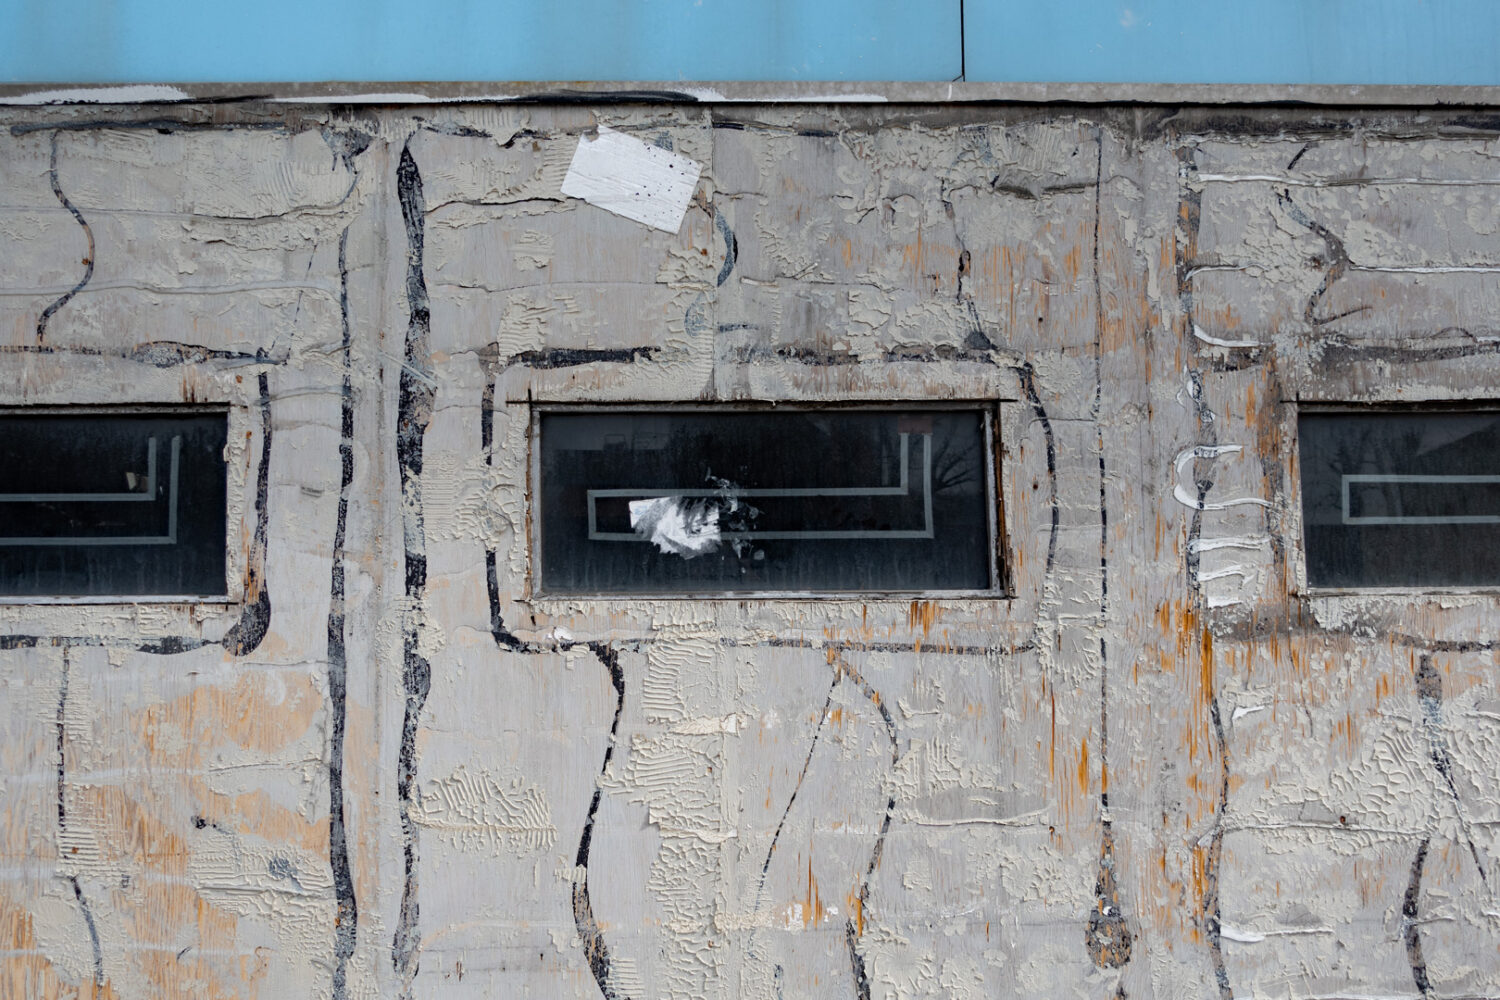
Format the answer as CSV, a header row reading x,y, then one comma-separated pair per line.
x,y
1160,767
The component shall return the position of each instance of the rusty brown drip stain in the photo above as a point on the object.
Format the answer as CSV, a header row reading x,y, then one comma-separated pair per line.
x,y
812,902
922,614
1052,737
1083,766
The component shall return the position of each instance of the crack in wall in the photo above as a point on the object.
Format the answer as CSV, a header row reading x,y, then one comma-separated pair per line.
x,y
62,819
1108,936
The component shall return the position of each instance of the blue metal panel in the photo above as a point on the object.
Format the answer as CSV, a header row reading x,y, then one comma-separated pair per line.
x,y
1167,41
1251,41
106,41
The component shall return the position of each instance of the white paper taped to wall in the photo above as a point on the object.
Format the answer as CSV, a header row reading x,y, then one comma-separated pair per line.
x,y
623,175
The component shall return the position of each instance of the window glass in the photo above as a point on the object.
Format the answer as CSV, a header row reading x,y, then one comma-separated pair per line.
x,y
112,504
1401,499
832,500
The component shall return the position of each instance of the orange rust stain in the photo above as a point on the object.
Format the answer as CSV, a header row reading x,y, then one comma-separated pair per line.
x,y
1199,876
812,903
1083,768
923,613
846,249
1052,744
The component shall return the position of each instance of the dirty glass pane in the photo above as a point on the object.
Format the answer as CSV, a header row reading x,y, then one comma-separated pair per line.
x,y
831,500
1401,499
112,504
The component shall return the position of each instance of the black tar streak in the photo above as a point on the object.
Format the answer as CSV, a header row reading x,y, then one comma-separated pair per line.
x,y
156,353
731,248
792,799
346,918
414,409
255,620
589,933
1430,694
1409,905
854,924
88,260
561,357
1107,937
1028,386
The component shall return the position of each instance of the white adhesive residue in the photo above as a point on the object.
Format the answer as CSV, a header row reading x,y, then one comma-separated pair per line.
x,y
134,94
1213,451
623,175
1220,341
673,524
1229,542
1229,933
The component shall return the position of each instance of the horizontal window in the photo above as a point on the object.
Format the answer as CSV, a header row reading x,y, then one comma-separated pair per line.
x,y
1401,498
787,500
101,503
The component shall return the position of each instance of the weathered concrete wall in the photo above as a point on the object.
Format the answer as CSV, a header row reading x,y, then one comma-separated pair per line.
x,y
1160,768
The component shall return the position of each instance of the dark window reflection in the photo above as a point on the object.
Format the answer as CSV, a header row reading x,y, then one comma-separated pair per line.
x,y
1403,499
827,500
112,504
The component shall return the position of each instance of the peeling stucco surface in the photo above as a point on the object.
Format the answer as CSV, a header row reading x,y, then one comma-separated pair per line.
x,y
1158,769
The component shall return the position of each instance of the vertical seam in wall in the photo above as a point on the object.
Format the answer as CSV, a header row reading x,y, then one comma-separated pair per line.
x,y
963,45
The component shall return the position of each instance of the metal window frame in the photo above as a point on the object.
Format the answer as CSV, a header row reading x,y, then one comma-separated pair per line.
x,y
1000,563
233,570
1300,584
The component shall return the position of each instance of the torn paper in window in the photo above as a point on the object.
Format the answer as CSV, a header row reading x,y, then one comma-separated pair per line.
x,y
676,524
